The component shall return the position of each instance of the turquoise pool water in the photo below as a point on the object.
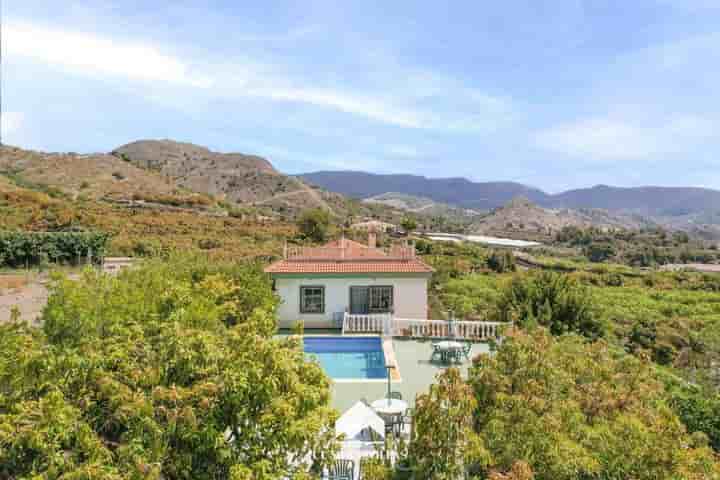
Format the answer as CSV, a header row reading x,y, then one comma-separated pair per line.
x,y
348,358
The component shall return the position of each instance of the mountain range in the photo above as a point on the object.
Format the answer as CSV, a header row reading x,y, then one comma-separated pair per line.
x,y
168,174
655,201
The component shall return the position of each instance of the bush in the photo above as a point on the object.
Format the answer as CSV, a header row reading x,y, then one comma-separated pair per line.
x,y
501,261
209,243
18,249
556,301
314,224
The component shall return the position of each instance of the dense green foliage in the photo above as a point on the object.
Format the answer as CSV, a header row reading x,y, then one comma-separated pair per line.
x,y
19,249
673,317
408,223
170,370
314,224
552,300
501,261
444,442
638,248
573,409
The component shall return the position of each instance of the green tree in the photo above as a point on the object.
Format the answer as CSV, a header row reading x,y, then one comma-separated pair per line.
x,y
314,224
444,444
501,261
170,370
408,224
556,301
573,409
599,252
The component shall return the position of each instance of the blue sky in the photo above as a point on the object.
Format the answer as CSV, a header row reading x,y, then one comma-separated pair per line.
x,y
558,95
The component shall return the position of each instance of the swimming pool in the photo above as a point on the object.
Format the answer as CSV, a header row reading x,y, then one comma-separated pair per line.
x,y
348,358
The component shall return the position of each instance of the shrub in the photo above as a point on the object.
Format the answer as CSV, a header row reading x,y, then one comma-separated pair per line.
x,y
18,249
501,261
556,301
314,224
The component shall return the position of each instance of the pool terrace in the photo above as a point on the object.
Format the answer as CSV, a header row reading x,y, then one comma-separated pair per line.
x,y
416,370
417,373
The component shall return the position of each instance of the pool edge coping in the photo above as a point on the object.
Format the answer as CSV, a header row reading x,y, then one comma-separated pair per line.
x,y
386,342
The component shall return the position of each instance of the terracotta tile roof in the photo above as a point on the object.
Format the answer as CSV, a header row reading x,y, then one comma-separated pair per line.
x,y
347,256
349,266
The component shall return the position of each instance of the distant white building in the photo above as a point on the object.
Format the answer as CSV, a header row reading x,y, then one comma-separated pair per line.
x,y
485,240
318,285
374,226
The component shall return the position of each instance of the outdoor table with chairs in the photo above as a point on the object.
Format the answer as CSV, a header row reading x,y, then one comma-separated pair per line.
x,y
392,410
451,350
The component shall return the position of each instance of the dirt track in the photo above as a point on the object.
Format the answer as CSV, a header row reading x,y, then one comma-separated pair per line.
x,y
30,297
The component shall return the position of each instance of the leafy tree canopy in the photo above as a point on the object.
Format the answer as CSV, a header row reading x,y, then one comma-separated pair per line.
x,y
558,302
168,370
570,409
314,224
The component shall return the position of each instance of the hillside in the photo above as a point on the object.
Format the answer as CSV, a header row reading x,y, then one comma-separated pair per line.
x,y
92,176
231,177
421,205
522,216
455,191
691,209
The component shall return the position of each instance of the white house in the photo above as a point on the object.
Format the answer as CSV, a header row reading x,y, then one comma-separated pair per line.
x,y
318,285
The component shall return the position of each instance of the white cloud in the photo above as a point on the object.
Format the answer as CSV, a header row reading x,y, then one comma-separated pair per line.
x,y
618,139
93,54
426,101
344,102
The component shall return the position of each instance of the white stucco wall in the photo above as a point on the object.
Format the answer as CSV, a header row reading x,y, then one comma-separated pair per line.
x,y
410,297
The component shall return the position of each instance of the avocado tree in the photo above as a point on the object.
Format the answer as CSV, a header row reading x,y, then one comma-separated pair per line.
x,y
571,409
166,371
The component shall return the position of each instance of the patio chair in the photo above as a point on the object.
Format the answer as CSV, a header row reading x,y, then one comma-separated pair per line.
x,y
341,470
396,395
436,350
467,347
394,425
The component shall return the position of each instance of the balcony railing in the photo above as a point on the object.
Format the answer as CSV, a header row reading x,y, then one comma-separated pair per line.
x,y
354,254
387,324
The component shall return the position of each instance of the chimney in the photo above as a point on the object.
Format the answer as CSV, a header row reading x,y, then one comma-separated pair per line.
x,y
372,238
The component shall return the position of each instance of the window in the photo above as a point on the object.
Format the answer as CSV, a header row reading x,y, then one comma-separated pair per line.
x,y
381,299
364,300
312,299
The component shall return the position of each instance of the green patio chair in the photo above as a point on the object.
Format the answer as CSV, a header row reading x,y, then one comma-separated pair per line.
x,y
436,351
396,395
341,470
467,348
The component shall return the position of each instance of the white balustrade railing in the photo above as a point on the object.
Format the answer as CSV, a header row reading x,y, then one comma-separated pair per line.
x,y
367,323
386,324
410,327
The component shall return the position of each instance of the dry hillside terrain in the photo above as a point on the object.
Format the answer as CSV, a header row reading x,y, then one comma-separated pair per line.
x,y
522,216
232,177
92,176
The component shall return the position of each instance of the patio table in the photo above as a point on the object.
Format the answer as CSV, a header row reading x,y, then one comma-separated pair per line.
x,y
449,348
389,406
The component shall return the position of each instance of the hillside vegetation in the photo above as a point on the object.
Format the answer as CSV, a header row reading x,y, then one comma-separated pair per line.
x,y
167,371
522,217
